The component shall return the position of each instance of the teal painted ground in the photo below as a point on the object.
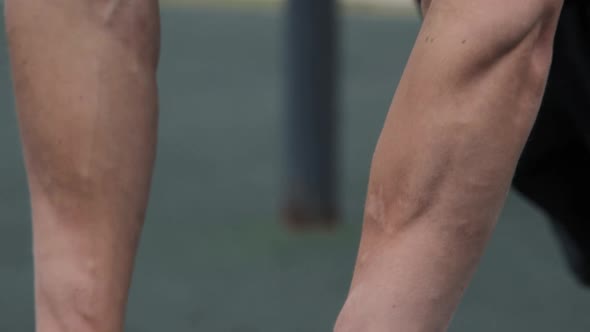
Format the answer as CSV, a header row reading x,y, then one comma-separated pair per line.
x,y
214,257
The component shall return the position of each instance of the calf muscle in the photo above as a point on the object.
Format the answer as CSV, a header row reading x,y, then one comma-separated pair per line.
x,y
443,164
85,84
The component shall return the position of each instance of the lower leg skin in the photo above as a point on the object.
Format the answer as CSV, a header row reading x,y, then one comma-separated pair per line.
x,y
84,74
444,161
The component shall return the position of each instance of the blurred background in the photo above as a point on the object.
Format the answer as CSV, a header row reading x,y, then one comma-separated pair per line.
x,y
217,254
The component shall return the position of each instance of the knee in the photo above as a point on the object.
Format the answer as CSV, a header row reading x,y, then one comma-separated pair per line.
x,y
494,27
496,40
135,24
424,5
131,26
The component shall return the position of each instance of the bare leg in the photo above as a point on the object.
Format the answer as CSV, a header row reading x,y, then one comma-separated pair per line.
x,y
84,75
441,170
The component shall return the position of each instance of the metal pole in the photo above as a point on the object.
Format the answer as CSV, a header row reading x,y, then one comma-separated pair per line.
x,y
311,113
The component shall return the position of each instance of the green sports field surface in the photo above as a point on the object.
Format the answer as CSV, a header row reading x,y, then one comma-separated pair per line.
x,y
214,256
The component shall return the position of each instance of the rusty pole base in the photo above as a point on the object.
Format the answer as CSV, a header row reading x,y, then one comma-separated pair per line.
x,y
300,217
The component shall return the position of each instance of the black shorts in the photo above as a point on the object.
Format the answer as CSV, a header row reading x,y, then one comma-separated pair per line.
x,y
554,170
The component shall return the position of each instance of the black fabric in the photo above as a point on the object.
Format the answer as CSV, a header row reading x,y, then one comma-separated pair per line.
x,y
561,132
554,170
